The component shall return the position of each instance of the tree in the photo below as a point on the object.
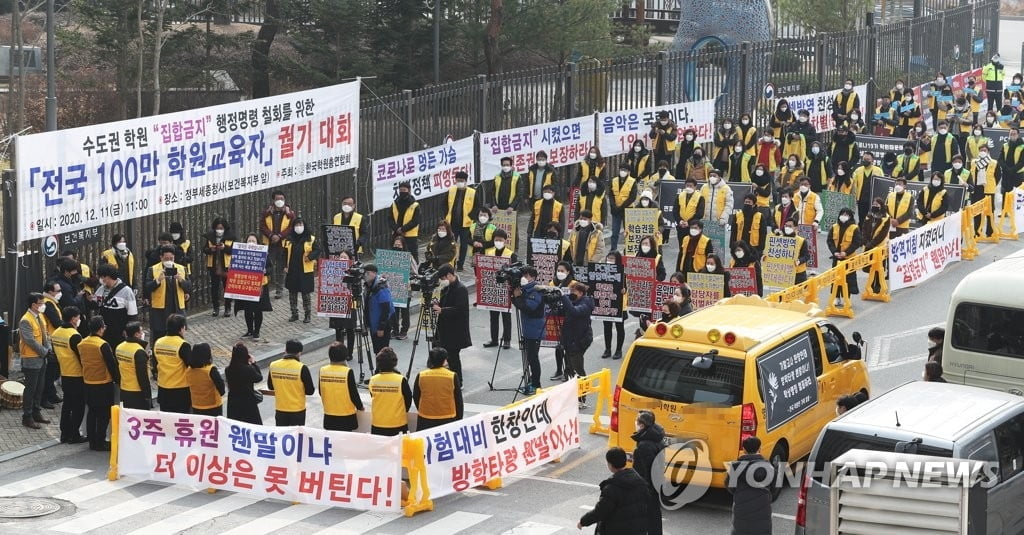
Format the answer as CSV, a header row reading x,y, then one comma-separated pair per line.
x,y
823,15
261,49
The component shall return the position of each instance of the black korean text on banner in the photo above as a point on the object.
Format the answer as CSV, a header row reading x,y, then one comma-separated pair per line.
x,y
742,280
491,294
333,297
544,255
640,222
811,239
663,292
339,239
606,283
706,289
641,277
788,381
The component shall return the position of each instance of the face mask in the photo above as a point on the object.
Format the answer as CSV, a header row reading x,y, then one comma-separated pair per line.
x,y
908,151
868,163
347,208
748,207
698,157
689,137
919,130
785,201
744,122
506,169
637,148
936,183
279,203
175,236
548,196
803,119
854,116
711,267
847,87
738,150
908,98
542,163
932,344
561,275
759,172
499,245
593,155
695,232
983,155
738,253
442,233
218,232
899,87
815,150
940,81
898,189
727,126
523,281
584,223
122,246
645,248
844,218
592,186
623,174
460,185
443,283
792,164
662,172
876,209
663,122
58,296
977,133
76,323
789,231
169,264
299,229
784,108
957,165
42,308
804,189
943,131
688,190
404,195
714,180
840,172
767,139
483,219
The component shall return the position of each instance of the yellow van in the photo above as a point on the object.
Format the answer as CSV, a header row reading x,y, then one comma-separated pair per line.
x,y
743,367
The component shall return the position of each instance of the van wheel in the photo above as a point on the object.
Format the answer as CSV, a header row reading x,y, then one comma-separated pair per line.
x,y
779,459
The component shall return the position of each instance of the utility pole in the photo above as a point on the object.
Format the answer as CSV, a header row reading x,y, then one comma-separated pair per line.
x,y
51,70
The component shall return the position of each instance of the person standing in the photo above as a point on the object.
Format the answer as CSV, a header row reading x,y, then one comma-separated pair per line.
x,y
623,196
133,366
339,391
944,148
650,441
993,73
378,308
908,164
1011,162
291,382
441,250
218,260
591,168
750,480
391,395
744,256
99,373
932,201
506,192
564,279
242,374
694,251
808,205
530,303
846,102
740,165
900,208
936,336
34,346
51,296
615,258
405,219
301,252
437,394
351,218
983,180
276,226
750,225
253,310
183,244
68,275
875,230
452,332
725,139
481,233
167,288
539,175
546,211
121,258
585,241
717,199
116,302
803,127
345,328
65,345
908,114
577,330
689,206
663,138
622,507
205,383
461,205
803,254
781,120
863,176
592,199
500,250
843,241
172,354
638,162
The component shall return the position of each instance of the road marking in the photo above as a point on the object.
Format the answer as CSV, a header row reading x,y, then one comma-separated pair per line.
x,y
533,528
361,523
452,523
898,363
40,481
560,481
95,490
881,345
197,515
123,510
479,492
279,519
784,517
575,463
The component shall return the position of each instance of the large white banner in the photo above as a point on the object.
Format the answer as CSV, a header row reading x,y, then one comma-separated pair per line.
x,y
107,173
566,142
1018,208
924,252
619,129
429,172
819,105
477,449
299,464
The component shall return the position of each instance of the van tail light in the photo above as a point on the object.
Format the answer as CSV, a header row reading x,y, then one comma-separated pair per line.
x,y
615,409
801,501
748,422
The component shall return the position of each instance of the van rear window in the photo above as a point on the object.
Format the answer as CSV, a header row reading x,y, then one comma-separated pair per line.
x,y
836,443
666,374
989,329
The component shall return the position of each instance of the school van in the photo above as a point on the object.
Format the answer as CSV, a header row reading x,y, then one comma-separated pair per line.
x,y
743,367
933,419
984,343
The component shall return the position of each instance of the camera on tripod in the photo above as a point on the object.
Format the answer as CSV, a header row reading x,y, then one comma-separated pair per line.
x,y
552,298
425,281
510,274
354,275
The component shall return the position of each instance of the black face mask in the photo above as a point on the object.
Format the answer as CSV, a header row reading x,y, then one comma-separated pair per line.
x,y
747,208
876,209
698,157
908,151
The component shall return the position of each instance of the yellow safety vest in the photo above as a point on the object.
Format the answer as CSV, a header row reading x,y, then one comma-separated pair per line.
x,y
700,253
308,266
170,369
52,303
933,202
556,213
800,268
334,390
513,193
39,328
811,213
110,257
204,393
94,369
468,200
70,366
437,393
355,223
286,221
719,206
907,169
226,252
847,237
586,173
125,354
388,401
506,252
592,202
990,73
990,176
962,177
289,392
159,294
755,228
621,189
406,218
688,206
896,212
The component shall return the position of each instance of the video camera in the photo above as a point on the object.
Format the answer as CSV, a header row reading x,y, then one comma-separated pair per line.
x,y
425,281
510,274
552,298
354,275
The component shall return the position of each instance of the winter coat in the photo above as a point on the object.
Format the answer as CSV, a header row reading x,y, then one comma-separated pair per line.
x,y
379,306
622,508
750,483
577,331
531,307
453,320
649,443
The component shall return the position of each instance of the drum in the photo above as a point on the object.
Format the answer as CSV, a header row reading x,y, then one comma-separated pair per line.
x,y
11,393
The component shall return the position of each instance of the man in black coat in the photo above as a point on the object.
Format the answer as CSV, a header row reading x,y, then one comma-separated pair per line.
x,y
650,441
452,311
622,508
750,480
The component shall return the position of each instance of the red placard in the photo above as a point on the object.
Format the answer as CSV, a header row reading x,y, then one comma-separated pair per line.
x,y
641,275
662,293
490,294
743,280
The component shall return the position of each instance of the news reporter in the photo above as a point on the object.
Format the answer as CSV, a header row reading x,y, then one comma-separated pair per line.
x,y
530,303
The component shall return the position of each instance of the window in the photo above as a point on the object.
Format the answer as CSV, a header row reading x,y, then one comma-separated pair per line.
x,y
666,374
1010,446
989,329
836,443
984,449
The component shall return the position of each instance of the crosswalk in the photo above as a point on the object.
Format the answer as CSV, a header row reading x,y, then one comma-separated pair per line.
x,y
132,506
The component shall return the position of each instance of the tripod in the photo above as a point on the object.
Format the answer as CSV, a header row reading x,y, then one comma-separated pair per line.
x,y
426,323
524,379
363,345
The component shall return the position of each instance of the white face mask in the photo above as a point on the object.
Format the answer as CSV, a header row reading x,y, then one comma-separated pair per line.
x,y
279,203
299,229
804,189
593,155
592,186
523,281
689,137
443,283
744,122
840,172
175,236
714,180
983,155
121,246
759,172
854,116
738,150
168,264
76,322
802,119
847,87
957,165
42,308
645,248
584,223
499,245
785,201
977,132
789,231
784,108
623,174
663,122
898,189
347,208
727,126
58,296
936,183
542,163
561,275
792,164
637,148
548,196
695,232
942,130
442,233
483,219
460,185
689,191
844,218
899,87
815,150
218,232
932,344
711,267
767,139
738,254
506,169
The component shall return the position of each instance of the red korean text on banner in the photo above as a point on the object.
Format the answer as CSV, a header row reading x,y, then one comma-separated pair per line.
x,y
333,296
663,292
245,275
743,280
491,294
641,276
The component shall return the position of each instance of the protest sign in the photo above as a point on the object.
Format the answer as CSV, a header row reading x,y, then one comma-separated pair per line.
x,y
1018,208
430,172
491,294
339,239
640,222
572,207
879,145
606,283
778,270
566,142
831,203
743,280
507,221
719,237
811,239
333,296
641,276
924,252
553,324
618,130
78,178
544,256
396,267
788,380
293,464
706,289
500,443
819,105
663,292
245,275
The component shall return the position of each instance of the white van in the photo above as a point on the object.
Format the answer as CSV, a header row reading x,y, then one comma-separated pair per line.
x,y
984,343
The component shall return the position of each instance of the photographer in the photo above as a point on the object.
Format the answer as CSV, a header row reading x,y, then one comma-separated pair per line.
x,y
377,308
577,332
530,303
168,290
452,318
499,249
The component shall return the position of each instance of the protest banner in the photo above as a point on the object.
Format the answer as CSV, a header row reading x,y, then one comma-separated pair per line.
x,y
472,451
743,280
396,267
831,203
606,283
882,186
339,239
491,294
507,221
294,464
1018,209
778,270
706,289
811,238
566,142
663,292
108,173
553,324
430,172
333,296
787,377
641,276
544,257
619,129
640,222
879,145
571,208
245,274
924,252
719,237
819,105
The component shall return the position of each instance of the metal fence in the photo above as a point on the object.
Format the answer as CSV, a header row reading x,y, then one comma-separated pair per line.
x,y
912,50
